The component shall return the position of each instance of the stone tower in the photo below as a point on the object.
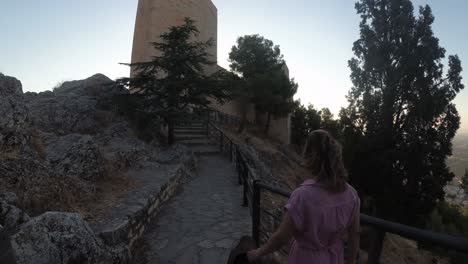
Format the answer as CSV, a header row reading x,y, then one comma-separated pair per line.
x,y
154,17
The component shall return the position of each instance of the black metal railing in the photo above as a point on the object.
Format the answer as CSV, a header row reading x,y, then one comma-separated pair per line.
x,y
252,198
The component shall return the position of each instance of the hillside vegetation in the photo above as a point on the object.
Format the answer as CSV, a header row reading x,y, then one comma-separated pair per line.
x,y
458,162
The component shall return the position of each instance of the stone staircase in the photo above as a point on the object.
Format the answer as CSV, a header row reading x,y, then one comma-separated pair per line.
x,y
194,135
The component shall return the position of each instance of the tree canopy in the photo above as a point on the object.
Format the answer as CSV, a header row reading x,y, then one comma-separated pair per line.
x,y
266,84
401,119
303,121
174,80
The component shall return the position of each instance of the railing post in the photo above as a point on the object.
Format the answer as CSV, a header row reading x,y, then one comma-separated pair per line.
x,y
376,245
256,212
230,150
245,180
221,140
238,167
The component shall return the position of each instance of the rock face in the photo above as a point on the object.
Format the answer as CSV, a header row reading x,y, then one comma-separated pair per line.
x,y
97,85
49,141
60,238
67,114
15,114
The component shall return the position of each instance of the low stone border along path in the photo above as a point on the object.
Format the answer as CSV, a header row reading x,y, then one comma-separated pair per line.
x,y
203,222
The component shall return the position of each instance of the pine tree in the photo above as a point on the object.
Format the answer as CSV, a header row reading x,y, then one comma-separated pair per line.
x,y
400,120
174,81
260,64
303,121
329,123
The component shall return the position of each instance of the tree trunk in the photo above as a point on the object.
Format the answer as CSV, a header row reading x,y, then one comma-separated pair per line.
x,y
267,125
242,122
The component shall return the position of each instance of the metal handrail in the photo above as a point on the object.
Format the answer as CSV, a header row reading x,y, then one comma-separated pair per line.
x,y
421,235
382,226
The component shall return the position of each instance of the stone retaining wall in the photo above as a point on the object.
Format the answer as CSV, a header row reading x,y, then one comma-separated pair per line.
x,y
134,226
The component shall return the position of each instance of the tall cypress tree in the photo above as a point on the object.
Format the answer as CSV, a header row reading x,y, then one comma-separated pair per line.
x,y
401,118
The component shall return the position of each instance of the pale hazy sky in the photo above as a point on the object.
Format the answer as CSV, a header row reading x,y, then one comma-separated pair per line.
x,y
48,41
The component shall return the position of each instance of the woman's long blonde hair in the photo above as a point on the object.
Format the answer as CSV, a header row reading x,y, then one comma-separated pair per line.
x,y
322,154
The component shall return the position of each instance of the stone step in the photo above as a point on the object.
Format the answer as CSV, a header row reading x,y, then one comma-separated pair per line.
x,y
190,128
196,142
191,124
189,136
205,150
190,131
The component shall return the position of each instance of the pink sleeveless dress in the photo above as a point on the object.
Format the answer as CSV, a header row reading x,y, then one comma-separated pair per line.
x,y
321,219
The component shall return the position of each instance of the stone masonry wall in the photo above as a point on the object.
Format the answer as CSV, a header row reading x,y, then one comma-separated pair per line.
x,y
133,228
155,17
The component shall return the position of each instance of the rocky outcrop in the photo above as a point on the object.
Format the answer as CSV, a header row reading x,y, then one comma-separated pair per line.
x,y
67,114
10,86
49,154
57,148
14,118
61,238
121,146
97,85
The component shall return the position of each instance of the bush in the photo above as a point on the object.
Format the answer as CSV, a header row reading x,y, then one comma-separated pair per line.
x,y
464,182
452,220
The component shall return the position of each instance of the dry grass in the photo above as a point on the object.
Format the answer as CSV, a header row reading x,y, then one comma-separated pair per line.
x,y
286,169
39,192
10,155
38,144
397,249
114,185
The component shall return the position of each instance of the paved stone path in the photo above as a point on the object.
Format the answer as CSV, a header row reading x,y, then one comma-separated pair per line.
x,y
203,223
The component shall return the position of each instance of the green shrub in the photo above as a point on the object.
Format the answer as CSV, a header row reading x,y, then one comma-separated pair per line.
x,y
452,220
464,182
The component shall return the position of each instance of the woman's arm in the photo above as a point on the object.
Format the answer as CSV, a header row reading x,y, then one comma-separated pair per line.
x,y
283,235
353,240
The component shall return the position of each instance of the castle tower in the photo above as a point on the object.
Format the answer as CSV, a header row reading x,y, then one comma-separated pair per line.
x,y
154,17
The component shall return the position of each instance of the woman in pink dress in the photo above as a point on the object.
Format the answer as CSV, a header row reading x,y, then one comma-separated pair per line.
x,y
321,213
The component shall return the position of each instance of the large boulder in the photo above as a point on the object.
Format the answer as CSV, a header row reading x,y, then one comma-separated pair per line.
x,y
54,238
121,146
76,156
10,215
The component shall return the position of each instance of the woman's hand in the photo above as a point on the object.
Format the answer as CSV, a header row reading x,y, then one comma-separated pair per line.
x,y
253,255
